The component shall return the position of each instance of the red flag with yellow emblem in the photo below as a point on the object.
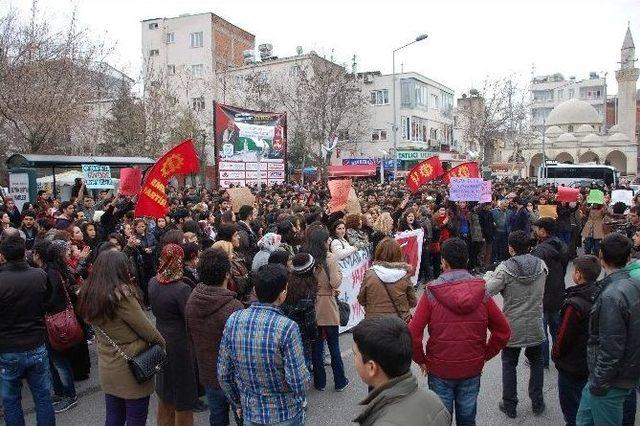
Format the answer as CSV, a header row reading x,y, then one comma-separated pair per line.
x,y
464,170
180,160
423,172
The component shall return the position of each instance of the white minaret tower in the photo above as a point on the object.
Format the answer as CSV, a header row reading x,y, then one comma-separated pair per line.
x,y
627,77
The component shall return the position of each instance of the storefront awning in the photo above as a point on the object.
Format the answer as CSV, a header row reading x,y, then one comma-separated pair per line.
x,y
352,171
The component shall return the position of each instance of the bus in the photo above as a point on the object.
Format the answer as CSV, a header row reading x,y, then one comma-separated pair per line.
x,y
566,174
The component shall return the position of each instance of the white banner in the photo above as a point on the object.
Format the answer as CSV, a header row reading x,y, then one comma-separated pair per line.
x,y
19,188
97,176
353,269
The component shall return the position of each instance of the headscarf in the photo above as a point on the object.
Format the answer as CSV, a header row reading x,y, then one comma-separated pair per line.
x,y
171,264
270,242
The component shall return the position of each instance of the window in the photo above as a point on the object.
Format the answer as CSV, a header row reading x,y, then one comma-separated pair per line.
x,y
560,94
418,129
380,97
154,52
405,124
435,101
196,39
171,69
378,135
153,26
197,70
197,103
171,38
421,95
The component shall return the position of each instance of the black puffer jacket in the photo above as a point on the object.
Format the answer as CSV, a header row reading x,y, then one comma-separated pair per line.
x,y
613,349
554,254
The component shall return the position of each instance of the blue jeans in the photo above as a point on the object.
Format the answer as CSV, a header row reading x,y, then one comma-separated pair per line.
x,y
602,410
296,420
500,247
33,366
317,358
569,392
552,321
62,375
218,407
133,412
591,246
462,392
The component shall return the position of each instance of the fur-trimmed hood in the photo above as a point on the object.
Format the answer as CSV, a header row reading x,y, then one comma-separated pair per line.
x,y
391,272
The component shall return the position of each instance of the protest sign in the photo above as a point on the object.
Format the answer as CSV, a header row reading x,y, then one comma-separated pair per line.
x,y
339,190
411,242
353,202
465,189
97,176
548,210
19,188
567,195
130,181
486,195
595,197
240,197
622,195
353,269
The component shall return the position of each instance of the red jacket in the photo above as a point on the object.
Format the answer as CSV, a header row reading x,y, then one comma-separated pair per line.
x,y
458,312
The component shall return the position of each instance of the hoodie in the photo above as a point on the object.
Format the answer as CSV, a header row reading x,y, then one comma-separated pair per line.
x,y
269,243
633,268
553,253
382,283
521,281
457,312
206,312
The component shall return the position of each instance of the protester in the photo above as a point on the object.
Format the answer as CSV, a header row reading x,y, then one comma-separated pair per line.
x,y
386,288
176,384
593,230
613,347
458,314
340,247
207,310
248,238
269,243
521,280
110,302
23,353
261,366
382,353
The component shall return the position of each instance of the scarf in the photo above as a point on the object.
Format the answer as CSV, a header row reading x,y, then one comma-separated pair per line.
x,y
171,264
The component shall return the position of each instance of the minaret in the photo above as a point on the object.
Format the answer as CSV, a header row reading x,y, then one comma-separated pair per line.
x,y
627,77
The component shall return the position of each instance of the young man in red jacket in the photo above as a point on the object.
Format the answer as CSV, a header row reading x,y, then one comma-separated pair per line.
x,y
458,312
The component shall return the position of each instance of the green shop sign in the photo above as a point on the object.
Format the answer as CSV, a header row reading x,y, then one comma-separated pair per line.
x,y
414,155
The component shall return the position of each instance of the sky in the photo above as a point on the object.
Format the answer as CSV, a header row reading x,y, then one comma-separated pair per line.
x,y
469,40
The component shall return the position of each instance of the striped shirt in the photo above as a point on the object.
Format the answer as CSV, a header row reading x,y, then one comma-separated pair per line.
x,y
261,365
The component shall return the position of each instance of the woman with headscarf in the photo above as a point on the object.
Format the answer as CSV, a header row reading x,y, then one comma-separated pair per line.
x,y
176,383
267,245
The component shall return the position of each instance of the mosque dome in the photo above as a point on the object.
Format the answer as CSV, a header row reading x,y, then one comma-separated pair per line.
x,y
573,111
553,132
618,137
585,129
567,137
592,137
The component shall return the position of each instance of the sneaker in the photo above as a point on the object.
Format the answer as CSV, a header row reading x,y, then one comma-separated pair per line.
x,y
343,387
200,407
319,389
511,413
538,409
56,399
65,405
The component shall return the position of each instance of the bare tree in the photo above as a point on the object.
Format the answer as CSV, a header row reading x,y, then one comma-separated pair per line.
x,y
47,79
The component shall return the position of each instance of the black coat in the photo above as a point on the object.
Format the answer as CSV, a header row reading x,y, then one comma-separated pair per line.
x,y
613,349
554,254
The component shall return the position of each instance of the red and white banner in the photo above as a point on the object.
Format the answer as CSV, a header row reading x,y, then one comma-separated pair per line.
x,y
411,242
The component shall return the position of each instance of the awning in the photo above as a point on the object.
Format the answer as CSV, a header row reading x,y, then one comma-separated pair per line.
x,y
353,171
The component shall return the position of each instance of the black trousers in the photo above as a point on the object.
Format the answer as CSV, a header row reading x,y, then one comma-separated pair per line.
x,y
509,376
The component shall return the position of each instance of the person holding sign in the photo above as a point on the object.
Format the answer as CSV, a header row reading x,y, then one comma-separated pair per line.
x,y
593,230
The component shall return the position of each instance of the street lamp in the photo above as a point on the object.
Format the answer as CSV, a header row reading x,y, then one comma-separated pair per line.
x,y
393,96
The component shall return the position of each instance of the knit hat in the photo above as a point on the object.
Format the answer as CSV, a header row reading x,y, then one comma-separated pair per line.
x,y
302,263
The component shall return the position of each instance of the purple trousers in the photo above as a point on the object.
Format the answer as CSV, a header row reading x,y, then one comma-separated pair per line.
x,y
133,412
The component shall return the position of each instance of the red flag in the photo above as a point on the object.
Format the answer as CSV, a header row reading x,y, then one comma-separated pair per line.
x,y
468,170
423,172
180,160
130,180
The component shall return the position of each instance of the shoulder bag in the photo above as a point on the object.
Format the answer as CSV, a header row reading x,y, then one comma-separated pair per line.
x,y
146,364
344,309
395,307
63,328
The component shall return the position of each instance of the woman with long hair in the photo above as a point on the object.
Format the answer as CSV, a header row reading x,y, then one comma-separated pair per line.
x,y
355,235
176,384
340,247
329,277
109,301
146,248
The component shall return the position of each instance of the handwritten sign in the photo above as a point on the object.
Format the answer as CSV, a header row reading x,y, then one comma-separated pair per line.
x,y
353,269
595,197
240,197
97,176
339,190
486,195
548,210
353,202
130,181
465,189
19,188
622,195
567,195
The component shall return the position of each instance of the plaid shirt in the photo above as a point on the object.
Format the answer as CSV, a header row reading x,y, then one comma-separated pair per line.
x,y
261,364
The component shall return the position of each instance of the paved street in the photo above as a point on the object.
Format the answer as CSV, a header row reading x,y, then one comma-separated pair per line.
x,y
332,408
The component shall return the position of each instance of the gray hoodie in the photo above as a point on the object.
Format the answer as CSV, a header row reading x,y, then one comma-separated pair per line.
x,y
520,280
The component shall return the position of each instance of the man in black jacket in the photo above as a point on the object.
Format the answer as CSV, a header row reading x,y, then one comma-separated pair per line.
x,y
554,254
23,355
248,239
613,348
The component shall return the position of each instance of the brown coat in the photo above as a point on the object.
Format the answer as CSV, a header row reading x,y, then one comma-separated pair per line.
x,y
133,332
326,307
594,227
374,298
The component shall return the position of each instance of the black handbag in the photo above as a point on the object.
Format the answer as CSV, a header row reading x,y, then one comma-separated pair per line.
x,y
345,312
146,364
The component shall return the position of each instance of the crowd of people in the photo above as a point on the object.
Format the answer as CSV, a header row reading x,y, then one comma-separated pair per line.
x,y
244,303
